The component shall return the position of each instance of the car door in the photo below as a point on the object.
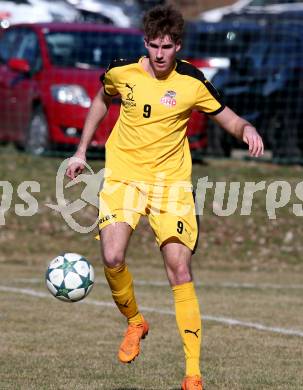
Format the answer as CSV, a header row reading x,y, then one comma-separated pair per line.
x,y
8,44
17,90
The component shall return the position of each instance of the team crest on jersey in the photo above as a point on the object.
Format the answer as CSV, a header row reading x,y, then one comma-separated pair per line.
x,y
169,99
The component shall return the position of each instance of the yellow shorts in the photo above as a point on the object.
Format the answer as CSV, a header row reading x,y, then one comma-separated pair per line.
x,y
170,209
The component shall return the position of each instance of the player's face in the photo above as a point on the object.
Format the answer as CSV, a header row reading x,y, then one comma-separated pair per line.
x,y
162,55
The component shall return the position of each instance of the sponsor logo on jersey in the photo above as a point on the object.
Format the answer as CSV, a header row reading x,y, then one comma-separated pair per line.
x,y
107,218
129,101
169,99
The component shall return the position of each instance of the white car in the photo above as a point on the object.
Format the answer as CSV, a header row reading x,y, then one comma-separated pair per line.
x,y
108,11
216,14
12,12
252,6
33,11
60,10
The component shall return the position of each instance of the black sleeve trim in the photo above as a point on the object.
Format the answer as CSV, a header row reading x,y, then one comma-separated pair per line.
x,y
102,77
114,64
188,69
212,90
217,111
108,94
122,62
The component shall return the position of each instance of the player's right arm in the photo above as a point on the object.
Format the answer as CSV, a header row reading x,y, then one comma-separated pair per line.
x,y
95,115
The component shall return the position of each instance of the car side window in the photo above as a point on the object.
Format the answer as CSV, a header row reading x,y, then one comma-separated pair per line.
x,y
28,49
21,43
8,45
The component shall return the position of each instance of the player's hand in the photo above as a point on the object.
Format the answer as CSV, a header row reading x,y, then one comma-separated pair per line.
x,y
254,141
76,165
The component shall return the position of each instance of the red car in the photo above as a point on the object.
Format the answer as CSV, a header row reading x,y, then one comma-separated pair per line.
x,y
49,74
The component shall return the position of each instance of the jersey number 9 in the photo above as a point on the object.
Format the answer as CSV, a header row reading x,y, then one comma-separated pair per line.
x,y
147,110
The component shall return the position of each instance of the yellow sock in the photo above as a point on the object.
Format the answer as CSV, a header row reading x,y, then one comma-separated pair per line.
x,y
120,281
189,323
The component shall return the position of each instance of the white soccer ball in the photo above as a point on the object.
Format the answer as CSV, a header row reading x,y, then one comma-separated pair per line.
x,y
70,277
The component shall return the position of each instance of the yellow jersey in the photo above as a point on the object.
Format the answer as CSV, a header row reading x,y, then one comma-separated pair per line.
x,y
148,142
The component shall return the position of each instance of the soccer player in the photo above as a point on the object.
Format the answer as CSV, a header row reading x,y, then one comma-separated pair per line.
x,y
148,172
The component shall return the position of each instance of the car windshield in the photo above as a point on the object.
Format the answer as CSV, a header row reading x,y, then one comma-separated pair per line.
x,y
276,51
91,49
217,43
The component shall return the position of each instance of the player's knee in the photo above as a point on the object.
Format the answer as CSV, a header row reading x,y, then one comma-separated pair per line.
x,y
113,258
180,273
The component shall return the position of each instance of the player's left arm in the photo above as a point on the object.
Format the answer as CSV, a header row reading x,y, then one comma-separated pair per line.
x,y
241,129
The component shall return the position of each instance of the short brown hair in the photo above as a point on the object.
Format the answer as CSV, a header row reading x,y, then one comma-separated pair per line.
x,y
163,20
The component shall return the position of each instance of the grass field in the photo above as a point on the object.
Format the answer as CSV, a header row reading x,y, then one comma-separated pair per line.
x,y
248,272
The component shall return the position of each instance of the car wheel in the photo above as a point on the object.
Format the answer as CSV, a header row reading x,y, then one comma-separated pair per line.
x,y
219,143
37,136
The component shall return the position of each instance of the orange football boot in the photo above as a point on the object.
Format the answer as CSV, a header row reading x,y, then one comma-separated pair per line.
x,y
130,346
192,383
